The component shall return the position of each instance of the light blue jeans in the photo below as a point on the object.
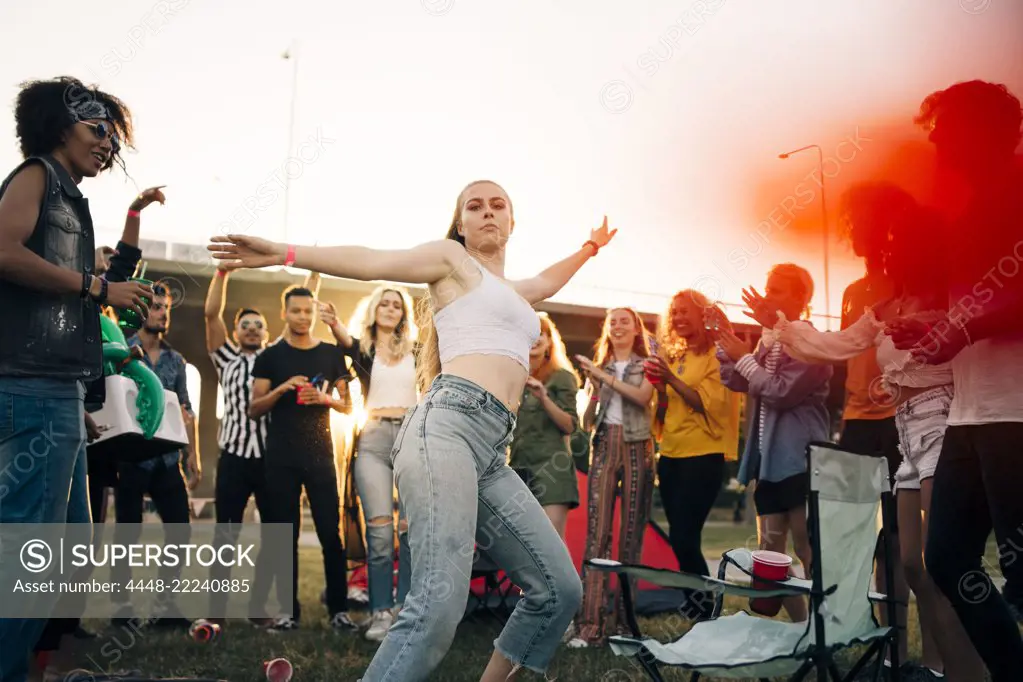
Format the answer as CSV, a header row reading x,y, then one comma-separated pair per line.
x,y
460,495
42,459
374,479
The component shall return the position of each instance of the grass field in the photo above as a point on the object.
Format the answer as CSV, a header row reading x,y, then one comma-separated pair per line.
x,y
320,655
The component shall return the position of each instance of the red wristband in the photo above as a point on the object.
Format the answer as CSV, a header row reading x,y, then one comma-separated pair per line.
x,y
289,259
221,273
133,213
590,242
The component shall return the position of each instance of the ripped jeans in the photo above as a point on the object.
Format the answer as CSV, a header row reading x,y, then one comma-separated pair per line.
x,y
374,479
460,496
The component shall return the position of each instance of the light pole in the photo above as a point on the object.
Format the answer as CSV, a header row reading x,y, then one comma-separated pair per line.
x,y
824,216
291,54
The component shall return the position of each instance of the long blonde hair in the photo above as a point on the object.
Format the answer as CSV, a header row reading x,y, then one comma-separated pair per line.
x,y
800,277
673,346
364,319
602,350
557,356
429,354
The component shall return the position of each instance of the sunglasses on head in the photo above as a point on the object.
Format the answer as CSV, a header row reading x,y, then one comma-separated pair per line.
x,y
104,130
254,324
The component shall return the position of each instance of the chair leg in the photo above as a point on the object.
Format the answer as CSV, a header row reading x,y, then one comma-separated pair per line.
x,y
876,648
649,663
803,671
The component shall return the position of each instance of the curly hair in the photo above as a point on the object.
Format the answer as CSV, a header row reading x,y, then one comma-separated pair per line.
x,y
45,109
870,207
986,107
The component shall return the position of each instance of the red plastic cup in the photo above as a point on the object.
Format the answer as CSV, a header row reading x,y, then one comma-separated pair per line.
x,y
278,670
653,379
770,566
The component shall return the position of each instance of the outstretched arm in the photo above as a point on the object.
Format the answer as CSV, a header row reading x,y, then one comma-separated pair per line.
x,y
551,280
423,264
554,278
216,299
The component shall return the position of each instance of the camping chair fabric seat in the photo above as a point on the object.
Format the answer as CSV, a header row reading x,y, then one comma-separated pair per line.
x,y
846,493
752,647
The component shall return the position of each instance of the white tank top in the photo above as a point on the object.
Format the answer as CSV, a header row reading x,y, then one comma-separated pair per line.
x,y
392,385
491,319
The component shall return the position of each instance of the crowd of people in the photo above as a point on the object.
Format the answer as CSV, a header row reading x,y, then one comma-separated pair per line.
x,y
471,414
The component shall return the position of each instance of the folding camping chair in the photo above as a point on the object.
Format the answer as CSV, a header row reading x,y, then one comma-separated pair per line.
x,y
498,596
845,493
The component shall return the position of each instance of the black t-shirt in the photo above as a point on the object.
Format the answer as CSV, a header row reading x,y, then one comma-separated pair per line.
x,y
300,431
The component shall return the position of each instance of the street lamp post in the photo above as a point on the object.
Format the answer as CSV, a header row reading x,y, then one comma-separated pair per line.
x,y
824,216
291,54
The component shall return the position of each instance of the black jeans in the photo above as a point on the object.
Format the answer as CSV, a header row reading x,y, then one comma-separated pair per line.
x,y
237,480
284,496
978,486
165,485
689,486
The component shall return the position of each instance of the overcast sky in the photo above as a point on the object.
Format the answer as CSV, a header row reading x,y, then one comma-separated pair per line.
x,y
667,116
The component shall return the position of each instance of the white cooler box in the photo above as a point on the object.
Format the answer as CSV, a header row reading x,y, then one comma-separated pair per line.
x,y
121,436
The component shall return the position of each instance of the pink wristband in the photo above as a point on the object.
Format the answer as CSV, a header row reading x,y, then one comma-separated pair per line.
x,y
134,214
289,260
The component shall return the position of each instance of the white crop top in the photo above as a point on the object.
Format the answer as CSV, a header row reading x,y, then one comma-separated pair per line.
x,y
491,319
393,385
898,367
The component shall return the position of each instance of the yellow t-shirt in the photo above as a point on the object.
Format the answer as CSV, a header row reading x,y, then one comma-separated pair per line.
x,y
685,432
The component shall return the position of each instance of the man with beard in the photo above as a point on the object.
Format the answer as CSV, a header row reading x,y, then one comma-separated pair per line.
x,y
161,477
242,439
294,383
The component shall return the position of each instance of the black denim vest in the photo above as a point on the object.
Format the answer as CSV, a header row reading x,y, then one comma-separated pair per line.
x,y
49,335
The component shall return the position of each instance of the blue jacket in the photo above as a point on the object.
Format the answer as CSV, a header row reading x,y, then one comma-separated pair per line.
x,y
796,413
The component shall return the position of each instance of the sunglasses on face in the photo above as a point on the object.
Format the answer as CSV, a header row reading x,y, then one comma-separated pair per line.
x,y
102,131
251,324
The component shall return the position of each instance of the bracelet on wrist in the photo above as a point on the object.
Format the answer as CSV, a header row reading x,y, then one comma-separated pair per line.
x,y
101,297
289,258
590,242
134,213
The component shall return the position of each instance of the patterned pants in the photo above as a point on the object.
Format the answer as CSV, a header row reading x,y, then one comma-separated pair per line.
x,y
630,465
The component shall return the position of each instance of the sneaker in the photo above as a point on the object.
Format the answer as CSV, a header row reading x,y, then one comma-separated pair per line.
x,y
379,626
283,624
569,633
578,643
342,622
359,595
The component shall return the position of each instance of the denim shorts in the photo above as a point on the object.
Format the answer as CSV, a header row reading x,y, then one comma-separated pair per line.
x,y
921,421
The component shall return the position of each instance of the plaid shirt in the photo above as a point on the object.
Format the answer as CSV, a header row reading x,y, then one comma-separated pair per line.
x,y
170,369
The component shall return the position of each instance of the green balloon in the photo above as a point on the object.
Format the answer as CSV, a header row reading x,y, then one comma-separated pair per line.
x,y
110,331
150,401
117,360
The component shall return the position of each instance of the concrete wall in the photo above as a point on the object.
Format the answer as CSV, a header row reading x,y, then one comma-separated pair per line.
x,y
580,327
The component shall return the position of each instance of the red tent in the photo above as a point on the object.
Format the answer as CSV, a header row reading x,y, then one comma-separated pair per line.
x,y
657,551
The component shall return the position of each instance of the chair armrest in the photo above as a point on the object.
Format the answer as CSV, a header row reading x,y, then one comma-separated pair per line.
x,y
742,559
681,580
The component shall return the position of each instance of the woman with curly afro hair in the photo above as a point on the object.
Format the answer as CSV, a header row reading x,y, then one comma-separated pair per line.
x,y
50,344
